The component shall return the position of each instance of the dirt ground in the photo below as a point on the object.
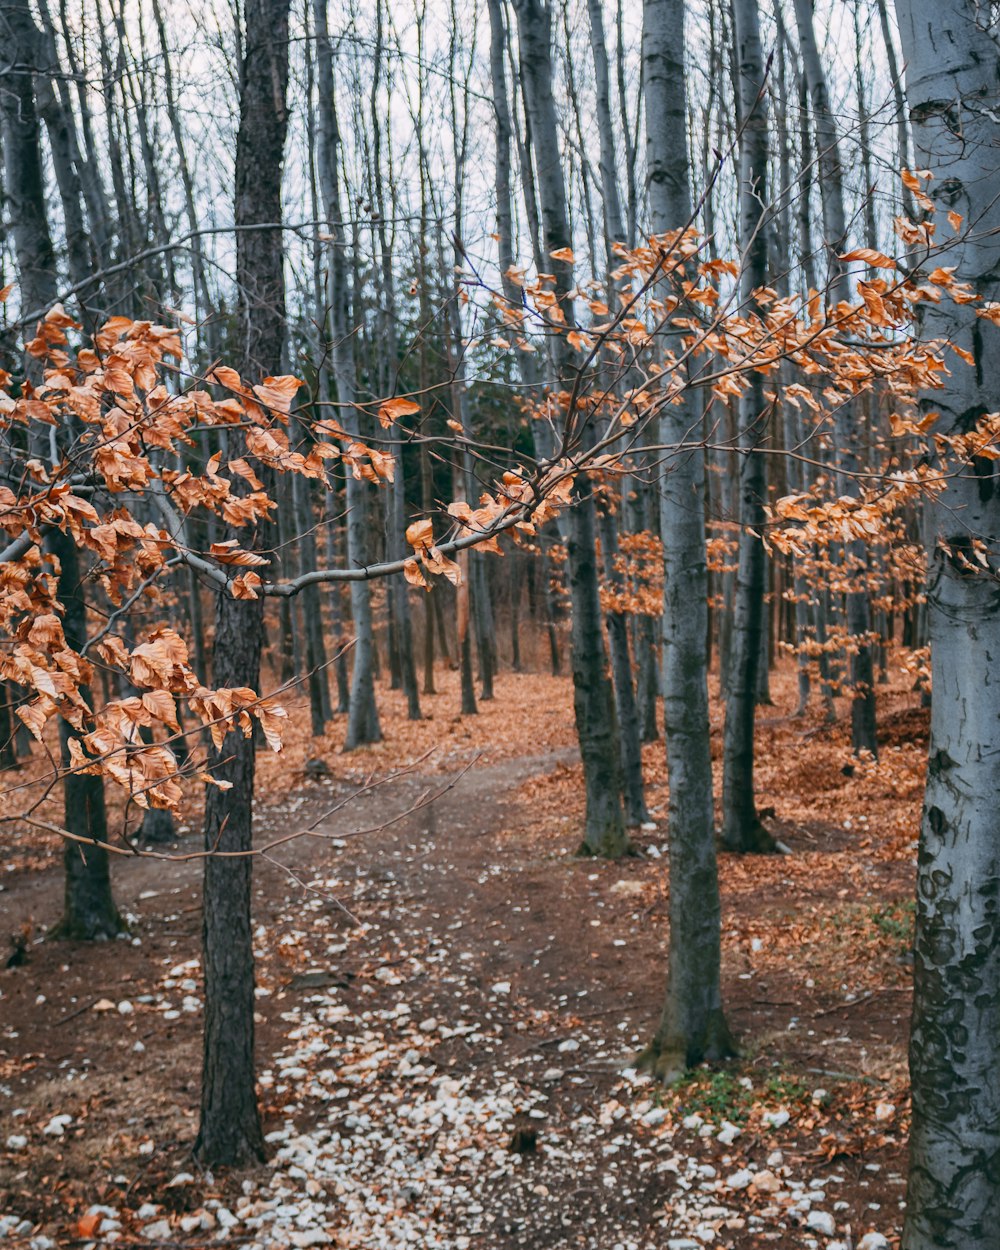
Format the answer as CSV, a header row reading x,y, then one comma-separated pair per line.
x,y
448,999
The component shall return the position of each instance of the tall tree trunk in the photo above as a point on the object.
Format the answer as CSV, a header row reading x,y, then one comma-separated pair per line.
x,y
362,715
859,616
593,697
230,1130
692,1027
402,660
953,1195
791,426
203,298
741,827
608,521
89,909
24,178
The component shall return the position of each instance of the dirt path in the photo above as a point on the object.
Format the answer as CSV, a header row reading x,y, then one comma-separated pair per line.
x,y
447,1003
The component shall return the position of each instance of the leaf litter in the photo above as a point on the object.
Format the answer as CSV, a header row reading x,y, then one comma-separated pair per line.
x,y
453,1070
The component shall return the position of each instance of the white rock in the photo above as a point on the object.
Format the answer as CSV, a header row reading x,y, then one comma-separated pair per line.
x,y
57,1125
125,1008
727,1134
570,1044
310,1237
821,1222
692,1121
655,1117
182,1178
159,1230
776,1119
500,987
552,1074
873,1241
740,1180
884,1112
16,1142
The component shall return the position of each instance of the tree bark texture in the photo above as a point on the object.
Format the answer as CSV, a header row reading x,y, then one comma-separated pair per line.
x,y
953,1194
741,827
230,1130
593,697
692,1025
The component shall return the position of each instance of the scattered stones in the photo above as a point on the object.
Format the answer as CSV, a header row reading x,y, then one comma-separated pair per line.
x,y
158,1230
56,1127
740,1180
821,1222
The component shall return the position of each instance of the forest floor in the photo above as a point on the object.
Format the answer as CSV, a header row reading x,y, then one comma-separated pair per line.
x,y
449,1001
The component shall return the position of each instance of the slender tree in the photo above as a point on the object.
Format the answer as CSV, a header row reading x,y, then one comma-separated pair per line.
x,y
362,716
89,910
859,624
593,696
692,1027
741,827
230,1129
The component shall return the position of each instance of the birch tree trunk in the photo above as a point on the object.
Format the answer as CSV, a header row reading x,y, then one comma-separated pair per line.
x,y
953,1195
692,1027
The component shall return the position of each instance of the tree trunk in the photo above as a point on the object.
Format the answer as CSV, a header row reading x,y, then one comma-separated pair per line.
x,y
24,178
741,827
593,697
859,623
953,1195
362,716
89,911
630,743
692,1027
402,662
230,1130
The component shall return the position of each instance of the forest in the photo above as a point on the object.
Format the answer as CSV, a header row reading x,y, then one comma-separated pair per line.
x,y
500,563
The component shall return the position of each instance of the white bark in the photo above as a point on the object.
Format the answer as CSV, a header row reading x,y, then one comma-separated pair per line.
x,y
954,1186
